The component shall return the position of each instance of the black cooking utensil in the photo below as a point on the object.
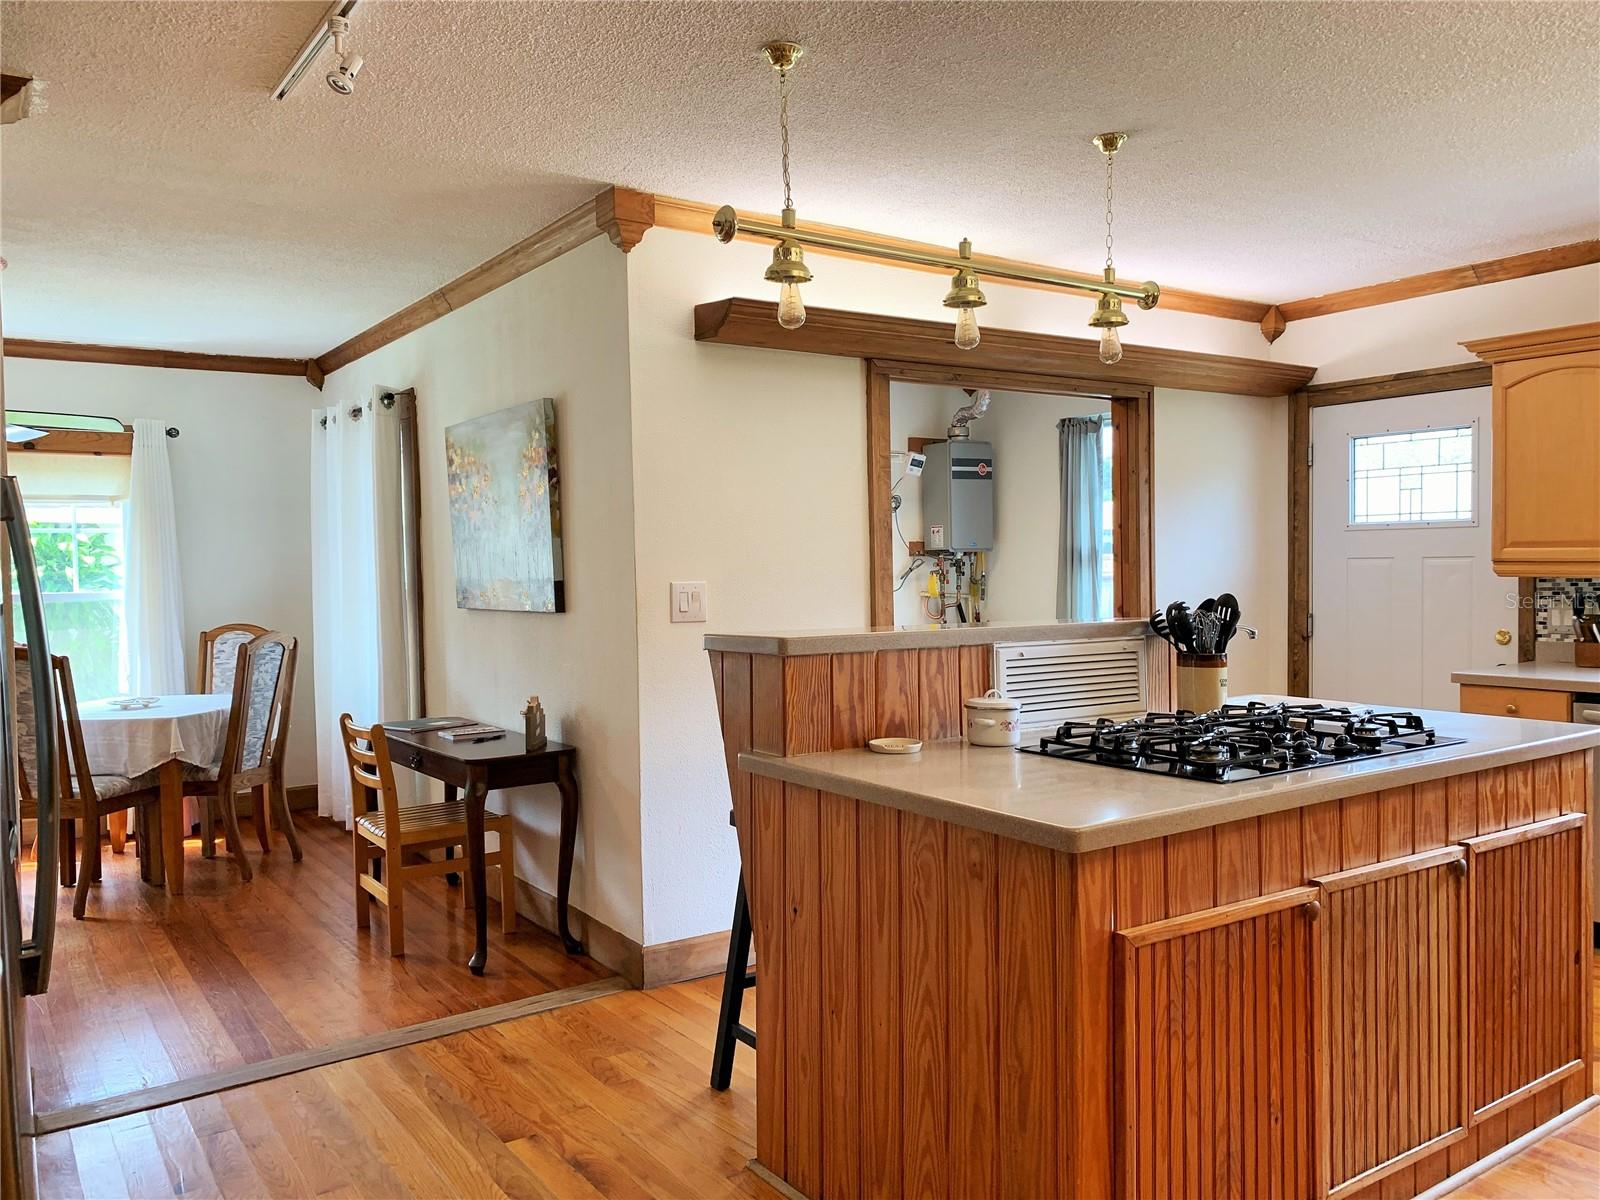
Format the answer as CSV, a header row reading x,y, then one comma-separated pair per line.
x,y
1228,612
1158,622
1182,628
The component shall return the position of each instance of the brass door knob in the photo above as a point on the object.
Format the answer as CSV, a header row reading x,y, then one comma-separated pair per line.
x,y
1502,637
1511,708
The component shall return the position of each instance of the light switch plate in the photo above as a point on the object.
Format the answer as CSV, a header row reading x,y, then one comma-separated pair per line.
x,y
689,601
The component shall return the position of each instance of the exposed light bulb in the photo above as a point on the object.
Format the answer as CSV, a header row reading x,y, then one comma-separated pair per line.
x,y
966,328
792,310
1110,345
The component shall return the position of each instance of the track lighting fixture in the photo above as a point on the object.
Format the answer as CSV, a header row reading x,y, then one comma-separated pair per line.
x,y
788,267
333,26
342,78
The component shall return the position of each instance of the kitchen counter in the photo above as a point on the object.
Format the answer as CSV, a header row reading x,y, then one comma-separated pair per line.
x,y
1546,676
917,637
1079,807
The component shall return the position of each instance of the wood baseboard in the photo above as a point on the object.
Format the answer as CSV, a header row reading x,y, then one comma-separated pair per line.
x,y
687,958
600,942
642,966
301,797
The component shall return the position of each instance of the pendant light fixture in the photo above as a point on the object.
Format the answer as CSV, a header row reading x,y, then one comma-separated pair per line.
x,y
788,267
1108,316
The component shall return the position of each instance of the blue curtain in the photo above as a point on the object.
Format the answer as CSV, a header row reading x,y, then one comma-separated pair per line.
x,y
1078,584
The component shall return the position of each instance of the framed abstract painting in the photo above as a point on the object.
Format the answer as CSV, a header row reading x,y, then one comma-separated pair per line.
x,y
505,510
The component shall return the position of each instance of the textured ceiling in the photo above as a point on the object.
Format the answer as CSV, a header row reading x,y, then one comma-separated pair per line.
x,y
1280,150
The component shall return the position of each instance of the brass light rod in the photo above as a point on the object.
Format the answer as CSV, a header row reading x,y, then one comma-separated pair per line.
x,y
728,224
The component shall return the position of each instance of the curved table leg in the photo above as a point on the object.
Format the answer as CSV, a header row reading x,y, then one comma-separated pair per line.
x,y
567,782
476,793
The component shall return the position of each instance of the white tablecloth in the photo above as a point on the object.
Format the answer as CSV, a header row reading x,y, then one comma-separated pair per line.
x,y
188,728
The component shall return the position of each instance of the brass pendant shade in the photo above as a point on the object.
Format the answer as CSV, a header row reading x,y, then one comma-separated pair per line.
x,y
788,267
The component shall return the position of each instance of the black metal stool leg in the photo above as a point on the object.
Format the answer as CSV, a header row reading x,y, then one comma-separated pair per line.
x,y
735,980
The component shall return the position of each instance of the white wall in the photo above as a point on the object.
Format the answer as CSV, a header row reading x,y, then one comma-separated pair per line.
x,y
1411,335
750,473
1221,490
241,482
559,331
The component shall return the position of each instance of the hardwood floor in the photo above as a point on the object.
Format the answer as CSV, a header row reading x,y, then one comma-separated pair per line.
x,y
607,1098
602,1099
152,988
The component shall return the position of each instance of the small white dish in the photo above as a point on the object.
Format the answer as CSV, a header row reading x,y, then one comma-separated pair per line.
x,y
134,703
894,745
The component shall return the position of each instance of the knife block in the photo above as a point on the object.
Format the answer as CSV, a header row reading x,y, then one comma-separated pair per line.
x,y
1202,681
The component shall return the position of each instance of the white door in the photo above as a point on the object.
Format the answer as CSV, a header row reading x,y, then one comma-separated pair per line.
x,y
1402,591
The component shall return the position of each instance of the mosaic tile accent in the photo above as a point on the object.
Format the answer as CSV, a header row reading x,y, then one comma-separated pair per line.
x,y
1558,596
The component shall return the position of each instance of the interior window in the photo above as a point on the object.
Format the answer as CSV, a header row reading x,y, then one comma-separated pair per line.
x,y
78,551
1413,477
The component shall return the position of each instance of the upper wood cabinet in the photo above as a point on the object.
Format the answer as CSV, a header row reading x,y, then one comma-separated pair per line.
x,y
1546,437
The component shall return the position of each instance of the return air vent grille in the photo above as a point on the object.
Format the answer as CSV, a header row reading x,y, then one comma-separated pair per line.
x,y
1067,681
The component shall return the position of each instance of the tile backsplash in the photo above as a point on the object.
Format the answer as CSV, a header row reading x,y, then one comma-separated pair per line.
x,y
1554,602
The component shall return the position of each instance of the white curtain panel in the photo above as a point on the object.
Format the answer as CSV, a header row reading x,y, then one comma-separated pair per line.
x,y
154,584
359,659
1078,584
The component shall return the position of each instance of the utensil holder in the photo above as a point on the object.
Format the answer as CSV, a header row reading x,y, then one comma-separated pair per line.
x,y
1202,681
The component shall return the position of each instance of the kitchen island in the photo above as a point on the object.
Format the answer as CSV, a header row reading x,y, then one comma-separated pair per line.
x,y
986,973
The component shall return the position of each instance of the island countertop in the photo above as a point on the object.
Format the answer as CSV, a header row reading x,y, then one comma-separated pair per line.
x,y
1079,807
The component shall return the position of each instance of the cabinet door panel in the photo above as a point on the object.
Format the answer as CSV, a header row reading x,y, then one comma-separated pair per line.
x,y
1547,464
1218,1012
1527,954
1395,971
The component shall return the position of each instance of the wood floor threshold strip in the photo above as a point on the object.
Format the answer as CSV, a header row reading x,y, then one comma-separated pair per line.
x,y
180,1090
782,1186
1510,1150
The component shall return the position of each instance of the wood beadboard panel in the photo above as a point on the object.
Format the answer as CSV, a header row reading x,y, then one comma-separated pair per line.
x,y
1397,1054
140,356
743,322
692,216
1516,266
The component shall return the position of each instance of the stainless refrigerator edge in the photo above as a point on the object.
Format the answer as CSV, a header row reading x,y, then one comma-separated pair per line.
x,y
25,951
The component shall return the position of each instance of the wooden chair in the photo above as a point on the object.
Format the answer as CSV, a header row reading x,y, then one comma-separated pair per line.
x,y
84,795
262,684
219,655
214,668
402,837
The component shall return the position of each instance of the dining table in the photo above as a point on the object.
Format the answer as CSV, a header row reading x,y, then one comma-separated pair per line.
x,y
133,736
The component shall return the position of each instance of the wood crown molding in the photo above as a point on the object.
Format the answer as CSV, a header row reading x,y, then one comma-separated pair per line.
x,y
1538,343
138,356
691,216
621,214
1075,361
1495,270
1406,383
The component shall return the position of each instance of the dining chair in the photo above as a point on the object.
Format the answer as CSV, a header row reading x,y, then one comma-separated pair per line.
x,y
219,655
84,795
262,683
401,837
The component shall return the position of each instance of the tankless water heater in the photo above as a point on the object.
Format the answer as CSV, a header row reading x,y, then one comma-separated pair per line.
x,y
958,495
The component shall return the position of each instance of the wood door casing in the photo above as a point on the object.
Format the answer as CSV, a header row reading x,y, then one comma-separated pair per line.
x,y
1395,978
1527,948
1216,1053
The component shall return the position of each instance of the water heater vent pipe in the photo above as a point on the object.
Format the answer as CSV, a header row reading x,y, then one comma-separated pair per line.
x,y
965,416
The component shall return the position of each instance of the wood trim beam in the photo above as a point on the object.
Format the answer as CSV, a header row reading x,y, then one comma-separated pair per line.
x,y
691,216
76,441
1407,383
620,214
1541,343
1133,505
1299,520
742,322
880,517
138,356
1494,270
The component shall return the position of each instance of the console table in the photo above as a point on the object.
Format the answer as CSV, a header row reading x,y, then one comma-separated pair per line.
x,y
478,768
